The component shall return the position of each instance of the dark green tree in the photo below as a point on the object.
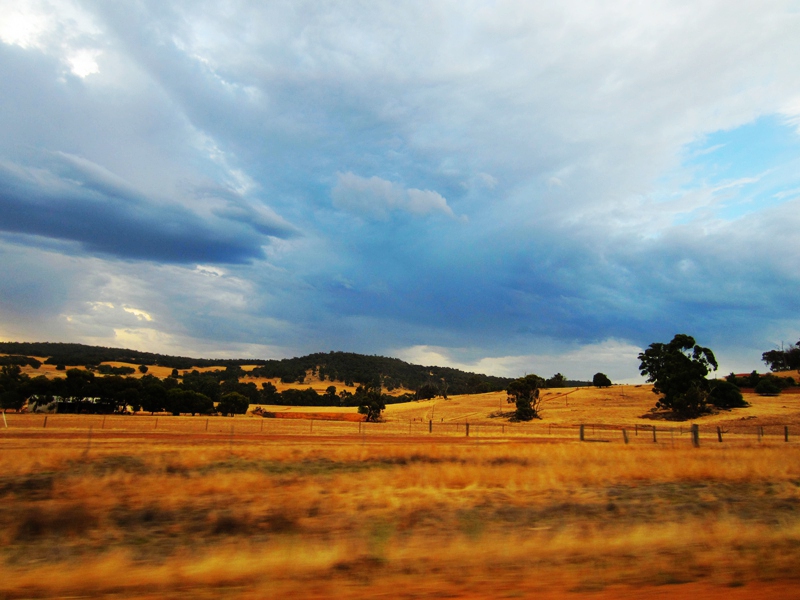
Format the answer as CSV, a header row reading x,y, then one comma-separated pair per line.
x,y
233,403
678,372
524,393
601,380
767,387
556,381
785,359
370,400
11,400
725,394
427,391
268,393
143,369
154,396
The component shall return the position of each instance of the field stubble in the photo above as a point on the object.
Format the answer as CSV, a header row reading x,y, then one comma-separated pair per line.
x,y
141,515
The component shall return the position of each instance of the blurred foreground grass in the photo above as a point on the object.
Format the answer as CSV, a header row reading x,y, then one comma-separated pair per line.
x,y
202,517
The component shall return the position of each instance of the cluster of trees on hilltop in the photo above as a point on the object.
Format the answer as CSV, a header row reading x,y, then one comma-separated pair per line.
x,y
785,359
77,355
351,369
22,361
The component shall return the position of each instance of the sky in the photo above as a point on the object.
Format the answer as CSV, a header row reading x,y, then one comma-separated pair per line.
x,y
503,187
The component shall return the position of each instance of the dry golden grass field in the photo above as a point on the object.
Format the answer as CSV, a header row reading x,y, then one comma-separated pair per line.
x,y
193,507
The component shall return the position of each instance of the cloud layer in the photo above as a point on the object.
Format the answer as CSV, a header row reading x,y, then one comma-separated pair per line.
x,y
490,180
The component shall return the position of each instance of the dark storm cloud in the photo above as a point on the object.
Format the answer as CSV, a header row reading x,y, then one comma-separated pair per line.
x,y
80,201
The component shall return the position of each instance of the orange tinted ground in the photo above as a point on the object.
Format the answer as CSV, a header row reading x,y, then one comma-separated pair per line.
x,y
245,507
244,513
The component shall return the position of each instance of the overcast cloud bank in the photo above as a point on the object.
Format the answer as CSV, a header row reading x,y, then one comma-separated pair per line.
x,y
506,187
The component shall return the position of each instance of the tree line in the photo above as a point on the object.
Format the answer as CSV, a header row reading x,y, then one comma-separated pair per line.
x,y
81,391
678,371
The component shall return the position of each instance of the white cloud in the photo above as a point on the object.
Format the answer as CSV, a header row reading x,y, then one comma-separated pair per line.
x,y
99,305
84,62
376,198
139,314
21,26
423,202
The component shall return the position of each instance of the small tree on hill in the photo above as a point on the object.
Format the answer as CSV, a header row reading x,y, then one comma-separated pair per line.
x,y
767,387
524,393
725,394
427,391
370,401
233,403
601,380
678,371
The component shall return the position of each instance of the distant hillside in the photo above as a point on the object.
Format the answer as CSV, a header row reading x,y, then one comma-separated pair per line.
x,y
352,368
346,367
74,355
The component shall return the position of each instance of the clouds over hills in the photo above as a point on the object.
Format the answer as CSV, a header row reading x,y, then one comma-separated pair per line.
x,y
500,180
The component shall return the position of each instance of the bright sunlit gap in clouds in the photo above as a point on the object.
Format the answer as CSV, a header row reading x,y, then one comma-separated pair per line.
x,y
508,187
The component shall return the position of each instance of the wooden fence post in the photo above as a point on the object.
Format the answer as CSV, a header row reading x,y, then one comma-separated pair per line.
x,y
45,422
785,433
156,427
758,432
625,436
467,427
719,433
696,436
654,434
581,434
207,424
430,426
636,430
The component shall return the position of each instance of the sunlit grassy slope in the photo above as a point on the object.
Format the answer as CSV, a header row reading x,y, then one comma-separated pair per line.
x,y
618,405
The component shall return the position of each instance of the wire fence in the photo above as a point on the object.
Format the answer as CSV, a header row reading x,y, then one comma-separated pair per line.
x,y
673,434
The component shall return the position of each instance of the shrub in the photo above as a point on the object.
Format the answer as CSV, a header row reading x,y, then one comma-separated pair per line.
x,y
767,387
725,395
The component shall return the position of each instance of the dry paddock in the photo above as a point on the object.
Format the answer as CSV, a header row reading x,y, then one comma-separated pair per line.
x,y
245,427
190,507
